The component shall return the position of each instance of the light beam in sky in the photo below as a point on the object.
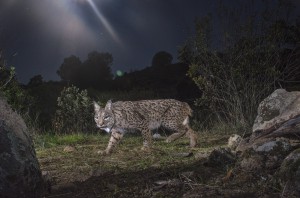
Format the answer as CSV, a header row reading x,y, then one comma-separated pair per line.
x,y
104,21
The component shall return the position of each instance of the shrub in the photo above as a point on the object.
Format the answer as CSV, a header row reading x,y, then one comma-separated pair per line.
x,y
237,77
10,88
74,112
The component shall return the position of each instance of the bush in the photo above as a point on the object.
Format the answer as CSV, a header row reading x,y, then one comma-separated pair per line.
x,y
74,112
10,88
235,79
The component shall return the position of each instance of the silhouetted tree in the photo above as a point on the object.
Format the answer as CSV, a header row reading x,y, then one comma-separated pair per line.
x,y
68,70
95,71
161,58
36,81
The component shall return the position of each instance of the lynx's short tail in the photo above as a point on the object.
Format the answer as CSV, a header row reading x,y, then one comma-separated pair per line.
x,y
189,113
189,110
186,121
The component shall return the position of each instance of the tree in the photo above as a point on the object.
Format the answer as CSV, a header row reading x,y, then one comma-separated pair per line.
x,y
95,71
68,70
161,58
35,81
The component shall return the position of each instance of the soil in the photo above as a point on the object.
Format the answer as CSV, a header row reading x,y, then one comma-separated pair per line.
x,y
169,170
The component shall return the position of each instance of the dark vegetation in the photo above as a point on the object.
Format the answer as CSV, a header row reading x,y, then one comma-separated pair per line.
x,y
223,82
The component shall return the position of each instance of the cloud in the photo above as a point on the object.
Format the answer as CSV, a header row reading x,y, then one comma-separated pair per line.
x,y
62,23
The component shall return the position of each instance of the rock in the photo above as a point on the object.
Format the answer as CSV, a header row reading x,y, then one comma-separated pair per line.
x,y
171,182
269,150
277,145
278,116
69,149
252,163
291,127
48,180
185,154
276,109
201,155
220,157
234,141
289,174
20,174
267,154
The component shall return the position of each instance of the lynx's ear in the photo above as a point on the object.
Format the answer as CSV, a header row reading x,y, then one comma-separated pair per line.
x,y
108,105
96,106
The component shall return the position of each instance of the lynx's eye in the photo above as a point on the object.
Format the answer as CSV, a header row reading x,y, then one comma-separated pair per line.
x,y
106,118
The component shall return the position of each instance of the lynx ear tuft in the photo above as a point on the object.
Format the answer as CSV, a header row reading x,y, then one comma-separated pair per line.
x,y
96,106
108,105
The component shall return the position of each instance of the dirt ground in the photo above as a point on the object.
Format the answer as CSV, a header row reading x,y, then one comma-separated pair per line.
x,y
170,170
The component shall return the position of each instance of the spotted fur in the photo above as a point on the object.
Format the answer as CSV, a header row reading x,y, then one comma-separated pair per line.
x,y
145,116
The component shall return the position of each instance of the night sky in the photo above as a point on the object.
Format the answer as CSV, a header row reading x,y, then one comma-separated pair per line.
x,y
38,34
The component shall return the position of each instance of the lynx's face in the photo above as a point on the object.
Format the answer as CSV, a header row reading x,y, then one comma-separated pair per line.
x,y
104,117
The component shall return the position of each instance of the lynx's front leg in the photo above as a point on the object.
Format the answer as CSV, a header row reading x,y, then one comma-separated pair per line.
x,y
115,138
147,139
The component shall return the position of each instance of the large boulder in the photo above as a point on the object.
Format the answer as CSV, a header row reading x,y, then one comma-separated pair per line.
x,y
276,109
278,117
20,174
273,147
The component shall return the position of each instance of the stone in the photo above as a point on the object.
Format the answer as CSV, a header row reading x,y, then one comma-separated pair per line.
x,y
289,174
233,141
220,157
267,154
69,149
20,174
276,109
273,146
254,162
202,155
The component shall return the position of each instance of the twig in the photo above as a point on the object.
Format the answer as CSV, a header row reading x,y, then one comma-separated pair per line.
x,y
282,194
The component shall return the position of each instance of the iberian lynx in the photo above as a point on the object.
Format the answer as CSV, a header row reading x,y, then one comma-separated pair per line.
x,y
145,115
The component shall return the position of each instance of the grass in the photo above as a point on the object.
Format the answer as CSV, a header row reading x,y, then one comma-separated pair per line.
x,y
130,172
127,170
52,140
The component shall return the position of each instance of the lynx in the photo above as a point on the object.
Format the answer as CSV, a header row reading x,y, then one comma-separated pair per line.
x,y
144,116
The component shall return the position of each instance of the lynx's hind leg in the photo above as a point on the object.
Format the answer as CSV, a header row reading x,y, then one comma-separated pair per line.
x,y
185,131
175,136
178,128
190,133
193,137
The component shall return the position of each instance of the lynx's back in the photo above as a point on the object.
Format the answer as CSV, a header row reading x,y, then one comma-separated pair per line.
x,y
155,112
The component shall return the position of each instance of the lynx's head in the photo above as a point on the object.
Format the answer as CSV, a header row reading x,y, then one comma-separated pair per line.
x,y
104,117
